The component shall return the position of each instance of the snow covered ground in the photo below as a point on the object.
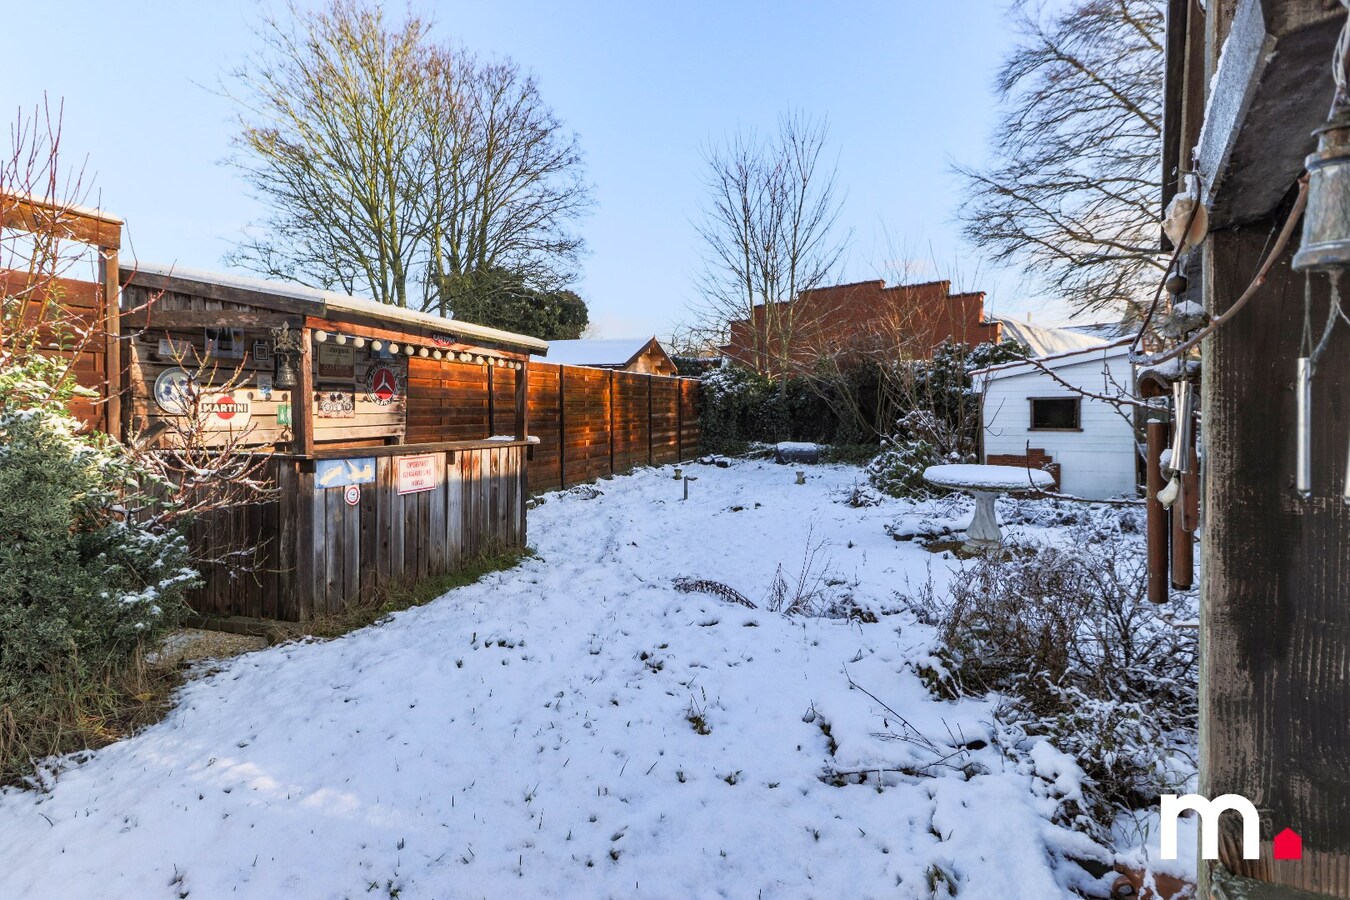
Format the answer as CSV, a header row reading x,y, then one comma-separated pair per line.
x,y
541,733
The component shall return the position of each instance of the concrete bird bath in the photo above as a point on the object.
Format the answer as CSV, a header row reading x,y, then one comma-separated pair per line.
x,y
985,483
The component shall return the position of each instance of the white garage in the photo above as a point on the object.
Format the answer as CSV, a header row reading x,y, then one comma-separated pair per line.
x,y
1031,418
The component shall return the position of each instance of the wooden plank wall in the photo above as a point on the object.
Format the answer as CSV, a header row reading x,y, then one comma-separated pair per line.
x,y
320,554
80,305
596,422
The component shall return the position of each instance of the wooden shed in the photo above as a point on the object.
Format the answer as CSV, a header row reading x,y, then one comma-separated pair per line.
x,y
377,424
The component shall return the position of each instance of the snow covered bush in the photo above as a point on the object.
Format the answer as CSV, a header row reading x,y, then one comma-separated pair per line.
x,y
897,471
1067,636
84,587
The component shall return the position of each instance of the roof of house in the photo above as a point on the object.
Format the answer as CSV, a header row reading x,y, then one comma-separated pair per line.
x,y
597,352
1046,341
181,279
1055,361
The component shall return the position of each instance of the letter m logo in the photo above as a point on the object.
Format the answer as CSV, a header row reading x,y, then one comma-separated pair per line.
x,y
1209,812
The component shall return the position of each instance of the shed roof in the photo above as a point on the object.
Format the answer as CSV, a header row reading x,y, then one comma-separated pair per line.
x,y
177,278
1056,360
597,352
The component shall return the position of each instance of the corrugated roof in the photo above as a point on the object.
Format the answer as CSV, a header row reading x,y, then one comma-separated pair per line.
x,y
341,303
1046,341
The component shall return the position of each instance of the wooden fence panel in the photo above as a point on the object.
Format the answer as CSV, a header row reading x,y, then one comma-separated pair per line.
x,y
546,424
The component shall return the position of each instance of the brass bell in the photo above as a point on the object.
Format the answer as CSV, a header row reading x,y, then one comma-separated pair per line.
x,y
1326,223
286,376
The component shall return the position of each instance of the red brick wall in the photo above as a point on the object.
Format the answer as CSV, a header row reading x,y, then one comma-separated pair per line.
x,y
1034,458
866,317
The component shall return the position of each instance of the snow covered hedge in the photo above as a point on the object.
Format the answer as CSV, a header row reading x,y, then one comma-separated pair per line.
x,y
84,587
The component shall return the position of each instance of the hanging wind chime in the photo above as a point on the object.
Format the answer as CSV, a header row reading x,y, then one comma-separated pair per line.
x,y
1325,248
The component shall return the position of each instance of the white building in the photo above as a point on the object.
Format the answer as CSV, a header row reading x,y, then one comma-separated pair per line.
x,y
1030,418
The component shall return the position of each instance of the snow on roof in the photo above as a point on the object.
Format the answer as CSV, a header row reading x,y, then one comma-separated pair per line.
x,y
1054,361
596,352
339,302
1046,341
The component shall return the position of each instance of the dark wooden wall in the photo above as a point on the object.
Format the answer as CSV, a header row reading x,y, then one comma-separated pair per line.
x,y
1275,598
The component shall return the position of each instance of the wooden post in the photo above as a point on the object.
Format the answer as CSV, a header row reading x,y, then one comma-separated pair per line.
x,y
611,421
679,419
114,374
1157,526
562,430
650,458
523,400
1183,545
492,402
302,398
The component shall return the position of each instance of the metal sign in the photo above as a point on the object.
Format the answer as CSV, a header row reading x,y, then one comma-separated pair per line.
x,y
226,411
418,473
337,362
330,473
336,405
175,390
352,494
382,385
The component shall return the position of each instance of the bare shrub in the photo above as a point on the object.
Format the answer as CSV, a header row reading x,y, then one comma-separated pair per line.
x,y
1067,636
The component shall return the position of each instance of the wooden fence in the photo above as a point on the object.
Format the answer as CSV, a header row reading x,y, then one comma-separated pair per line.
x,y
320,554
595,422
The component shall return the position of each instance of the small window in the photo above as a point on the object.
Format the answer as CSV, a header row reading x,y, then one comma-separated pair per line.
x,y
1054,414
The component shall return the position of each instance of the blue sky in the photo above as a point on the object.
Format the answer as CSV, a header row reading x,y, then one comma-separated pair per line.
x,y
905,85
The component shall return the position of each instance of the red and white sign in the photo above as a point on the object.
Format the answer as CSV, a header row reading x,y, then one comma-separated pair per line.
x,y
418,473
226,410
382,385
352,494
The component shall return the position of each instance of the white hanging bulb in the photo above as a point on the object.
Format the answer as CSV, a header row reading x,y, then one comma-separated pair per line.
x,y
377,345
320,336
423,352
359,342
436,354
341,339
393,348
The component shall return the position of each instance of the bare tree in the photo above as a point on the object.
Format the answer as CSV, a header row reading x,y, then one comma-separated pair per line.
x,y
770,231
1071,192
392,163
505,176
330,138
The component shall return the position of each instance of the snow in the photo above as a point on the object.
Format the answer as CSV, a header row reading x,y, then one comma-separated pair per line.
x,y
993,478
529,735
796,446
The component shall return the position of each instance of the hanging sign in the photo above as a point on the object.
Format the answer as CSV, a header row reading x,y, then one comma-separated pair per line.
x,y
336,405
352,494
226,411
284,415
337,362
443,340
418,473
330,473
265,385
174,391
382,385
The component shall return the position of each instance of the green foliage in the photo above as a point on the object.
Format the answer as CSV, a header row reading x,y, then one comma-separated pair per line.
x,y
86,588
502,299
898,470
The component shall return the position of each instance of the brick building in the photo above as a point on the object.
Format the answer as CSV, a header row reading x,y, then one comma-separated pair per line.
x,y
863,318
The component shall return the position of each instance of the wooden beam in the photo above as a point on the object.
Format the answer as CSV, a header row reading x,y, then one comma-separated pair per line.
x,y
302,398
1273,88
114,374
90,226
152,319
522,401
1156,528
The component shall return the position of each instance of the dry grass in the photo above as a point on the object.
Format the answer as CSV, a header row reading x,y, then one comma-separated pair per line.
x,y
81,711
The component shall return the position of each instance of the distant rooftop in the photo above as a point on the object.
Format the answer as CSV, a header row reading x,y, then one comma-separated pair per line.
x,y
596,352
1047,341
